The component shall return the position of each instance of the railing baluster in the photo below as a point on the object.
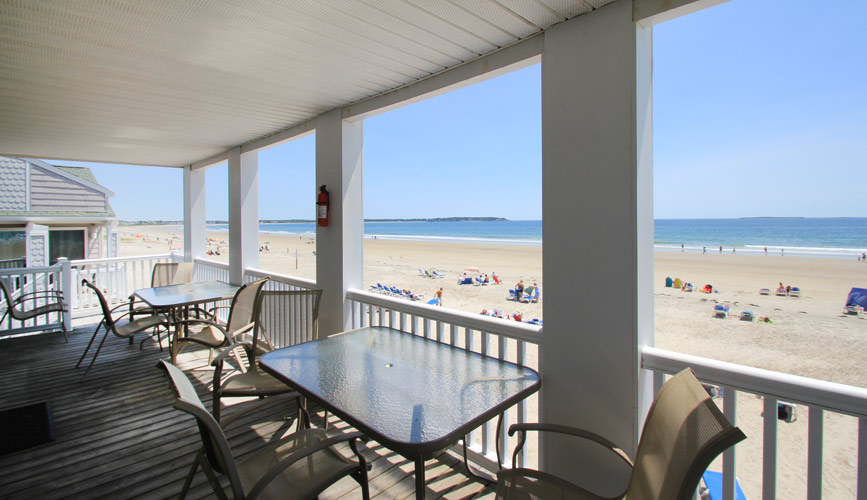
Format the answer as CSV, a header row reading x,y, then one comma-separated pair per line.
x,y
522,406
440,331
814,452
730,410
453,332
486,427
862,458
426,329
769,450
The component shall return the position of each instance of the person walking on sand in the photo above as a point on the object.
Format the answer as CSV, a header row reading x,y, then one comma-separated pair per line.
x,y
720,249
766,250
681,247
439,296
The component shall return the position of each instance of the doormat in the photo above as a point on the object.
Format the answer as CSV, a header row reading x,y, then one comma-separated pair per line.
x,y
25,427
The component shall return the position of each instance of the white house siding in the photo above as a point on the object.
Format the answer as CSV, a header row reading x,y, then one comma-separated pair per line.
x,y
13,184
51,192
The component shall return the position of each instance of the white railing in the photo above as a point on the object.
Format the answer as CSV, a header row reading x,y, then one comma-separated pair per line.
x,y
506,340
774,387
24,281
210,270
288,322
118,277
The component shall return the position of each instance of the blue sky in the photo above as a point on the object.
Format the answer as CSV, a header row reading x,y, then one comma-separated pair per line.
x,y
760,109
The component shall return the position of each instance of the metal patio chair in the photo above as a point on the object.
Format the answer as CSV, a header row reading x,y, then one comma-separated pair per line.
x,y
299,465
126,331
297,310
683,433
163,274
216,335
53,303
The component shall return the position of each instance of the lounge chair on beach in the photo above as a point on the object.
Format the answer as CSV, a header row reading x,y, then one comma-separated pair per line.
x,y
713,486
780,292
721,311
531,294
466,281
437,275
747,316
423,272
764,291
856,301
496,279
795,292
687,287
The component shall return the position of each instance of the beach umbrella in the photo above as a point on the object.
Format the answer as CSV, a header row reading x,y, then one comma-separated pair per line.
x,y
475,269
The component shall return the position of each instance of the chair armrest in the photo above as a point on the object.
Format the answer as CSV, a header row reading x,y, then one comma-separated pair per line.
x,y
275,471
219,358
39,294
562,429
251,406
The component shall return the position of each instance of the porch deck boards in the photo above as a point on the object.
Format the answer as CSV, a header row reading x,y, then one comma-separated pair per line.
x,y
117,436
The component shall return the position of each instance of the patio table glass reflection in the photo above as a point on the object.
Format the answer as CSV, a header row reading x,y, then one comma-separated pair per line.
x,y
413,395
169,298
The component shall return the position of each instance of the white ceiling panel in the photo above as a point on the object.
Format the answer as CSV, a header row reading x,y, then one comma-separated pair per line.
x,y
170,82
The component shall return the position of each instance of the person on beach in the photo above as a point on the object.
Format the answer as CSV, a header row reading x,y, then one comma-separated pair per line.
x,y
720,249
439,296
703,250
681,247
519,289
766,250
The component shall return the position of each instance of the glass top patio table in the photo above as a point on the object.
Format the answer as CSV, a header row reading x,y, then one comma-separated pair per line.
x,y
413,395
186,294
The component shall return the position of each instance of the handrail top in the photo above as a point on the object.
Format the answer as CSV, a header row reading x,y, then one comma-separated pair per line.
x,y
119,259
213,263
30,270
512,329
283,278
795,388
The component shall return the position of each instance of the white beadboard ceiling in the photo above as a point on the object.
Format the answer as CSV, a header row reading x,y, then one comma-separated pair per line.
x,y
170,82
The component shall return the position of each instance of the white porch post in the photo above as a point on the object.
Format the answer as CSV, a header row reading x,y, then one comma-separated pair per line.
x,y
194,214
340,246
112,239
243,213
598,231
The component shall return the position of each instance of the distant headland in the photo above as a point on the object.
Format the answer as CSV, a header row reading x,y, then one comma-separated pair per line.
x,y
310,221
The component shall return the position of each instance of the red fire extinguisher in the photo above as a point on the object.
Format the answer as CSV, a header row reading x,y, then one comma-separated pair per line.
x,y
322,207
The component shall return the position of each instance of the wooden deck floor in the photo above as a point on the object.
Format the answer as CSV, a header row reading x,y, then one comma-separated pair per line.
x,y
117,435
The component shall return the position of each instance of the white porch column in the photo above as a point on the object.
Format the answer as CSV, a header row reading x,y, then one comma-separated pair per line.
x,y
340,246
194,214
243,213
598,236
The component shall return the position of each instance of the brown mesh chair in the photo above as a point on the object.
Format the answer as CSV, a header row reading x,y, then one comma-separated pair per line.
x,y
215,335
296,310
300,465
164,274
683,433
126,331
52,302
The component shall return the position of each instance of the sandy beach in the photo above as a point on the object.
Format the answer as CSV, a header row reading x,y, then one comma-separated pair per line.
x,y
809,336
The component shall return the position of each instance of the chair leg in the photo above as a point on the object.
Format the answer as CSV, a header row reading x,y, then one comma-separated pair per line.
x,y
215,484
189,480
98,348
63,326
89,344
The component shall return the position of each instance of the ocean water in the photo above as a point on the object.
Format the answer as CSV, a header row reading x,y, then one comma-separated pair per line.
x,y
819,237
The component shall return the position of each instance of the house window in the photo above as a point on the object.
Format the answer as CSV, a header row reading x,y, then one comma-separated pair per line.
x,y
13,249
67,243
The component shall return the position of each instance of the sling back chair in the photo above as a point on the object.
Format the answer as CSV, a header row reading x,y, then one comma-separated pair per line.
x,y
52,302
110,322
216,335
164,274
296,311
683,433
299,465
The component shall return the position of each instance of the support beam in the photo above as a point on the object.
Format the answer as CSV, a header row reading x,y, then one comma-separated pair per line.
x,y
243,213
597,228
194,214
650,12
340,246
